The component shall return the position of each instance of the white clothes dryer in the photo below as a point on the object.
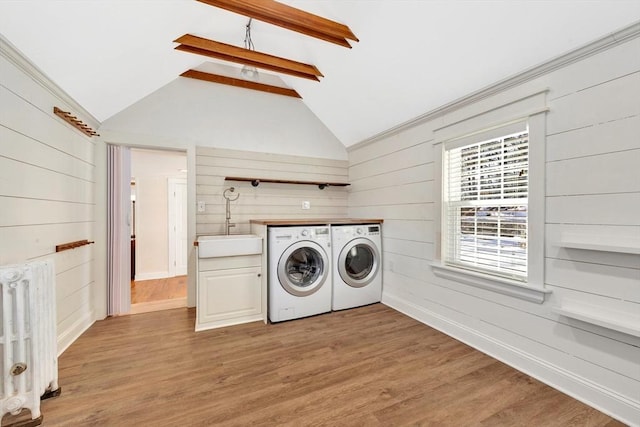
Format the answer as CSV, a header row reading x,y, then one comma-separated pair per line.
x,y
357,265
299,261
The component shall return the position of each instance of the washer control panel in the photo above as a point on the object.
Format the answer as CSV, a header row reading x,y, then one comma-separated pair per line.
x,y
359,230
323,231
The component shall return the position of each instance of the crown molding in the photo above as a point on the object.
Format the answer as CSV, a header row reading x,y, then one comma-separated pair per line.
x,y
606,42
13,55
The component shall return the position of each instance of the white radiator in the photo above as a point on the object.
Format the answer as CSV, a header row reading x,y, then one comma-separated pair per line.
x,y
28,340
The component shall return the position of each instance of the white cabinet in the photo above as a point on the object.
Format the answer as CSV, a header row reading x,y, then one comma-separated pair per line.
x,y
229,291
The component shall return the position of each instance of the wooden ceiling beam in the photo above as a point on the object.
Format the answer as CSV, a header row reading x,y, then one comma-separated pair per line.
x,y
290,18
204,52
201,46
246,84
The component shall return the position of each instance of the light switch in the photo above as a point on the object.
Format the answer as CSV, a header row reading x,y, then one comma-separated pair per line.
x,y
201,206
306,204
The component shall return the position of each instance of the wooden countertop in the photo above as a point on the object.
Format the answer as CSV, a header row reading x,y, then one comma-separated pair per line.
x,y
316,221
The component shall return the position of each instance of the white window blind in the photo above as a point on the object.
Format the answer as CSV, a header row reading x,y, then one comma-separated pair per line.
x,y
486,205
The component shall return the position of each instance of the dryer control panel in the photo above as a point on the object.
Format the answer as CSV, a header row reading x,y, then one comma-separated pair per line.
x,y
358,230
368,230
373,230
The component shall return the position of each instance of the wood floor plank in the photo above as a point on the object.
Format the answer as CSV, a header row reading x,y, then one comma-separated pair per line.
x,y
143,291
369,366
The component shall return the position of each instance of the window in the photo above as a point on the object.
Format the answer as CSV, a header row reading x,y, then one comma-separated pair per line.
x,y
489,194
485,205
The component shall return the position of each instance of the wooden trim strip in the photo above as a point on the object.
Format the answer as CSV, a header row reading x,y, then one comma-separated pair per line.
x,y
227,52
317,221
72,245
246,84
74,121
290,18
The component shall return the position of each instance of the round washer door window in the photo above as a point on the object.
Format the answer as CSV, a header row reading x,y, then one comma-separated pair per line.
x,y
358,262
302,268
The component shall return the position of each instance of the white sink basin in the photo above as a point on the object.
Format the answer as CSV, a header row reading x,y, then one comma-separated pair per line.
x,y
232,245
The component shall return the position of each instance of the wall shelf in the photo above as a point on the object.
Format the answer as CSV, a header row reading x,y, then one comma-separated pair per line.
x,y
256,181
615,321
619,244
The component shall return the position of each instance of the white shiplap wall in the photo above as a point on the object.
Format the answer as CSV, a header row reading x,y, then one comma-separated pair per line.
x,y
46,187
189,113
268,200
592,190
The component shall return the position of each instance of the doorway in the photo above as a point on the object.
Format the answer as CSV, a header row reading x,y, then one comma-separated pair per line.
x,y
159,230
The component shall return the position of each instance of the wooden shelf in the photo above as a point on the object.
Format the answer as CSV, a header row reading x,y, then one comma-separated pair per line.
x,y
73,120
317,221
256,181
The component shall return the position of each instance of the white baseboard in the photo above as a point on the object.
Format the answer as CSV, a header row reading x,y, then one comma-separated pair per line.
x,y
66,338
152,275
604,400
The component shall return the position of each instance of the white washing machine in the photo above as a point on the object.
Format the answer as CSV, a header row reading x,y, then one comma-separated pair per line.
x,y
299,271
357,265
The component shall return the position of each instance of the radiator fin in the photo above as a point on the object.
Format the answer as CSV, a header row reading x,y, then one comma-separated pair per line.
x,y
28,337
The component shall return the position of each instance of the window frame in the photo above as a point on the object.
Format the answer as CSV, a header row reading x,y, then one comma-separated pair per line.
x,y
456,198
532,289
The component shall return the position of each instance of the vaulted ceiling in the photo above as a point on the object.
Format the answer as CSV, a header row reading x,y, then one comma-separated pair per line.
x,y
412,55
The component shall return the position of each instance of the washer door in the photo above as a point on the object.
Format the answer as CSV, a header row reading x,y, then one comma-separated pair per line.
x,y
358,262
302,268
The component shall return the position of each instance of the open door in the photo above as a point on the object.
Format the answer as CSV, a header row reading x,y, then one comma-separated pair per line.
x,y
118,230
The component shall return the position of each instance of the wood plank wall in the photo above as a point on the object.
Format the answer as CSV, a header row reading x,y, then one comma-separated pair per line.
x,y
268,200
46,188
592,189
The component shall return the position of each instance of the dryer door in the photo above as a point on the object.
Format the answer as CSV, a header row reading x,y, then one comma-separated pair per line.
x,y
358,262
303,268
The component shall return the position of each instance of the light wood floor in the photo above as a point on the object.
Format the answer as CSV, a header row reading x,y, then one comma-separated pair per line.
x,y
370,366
158,294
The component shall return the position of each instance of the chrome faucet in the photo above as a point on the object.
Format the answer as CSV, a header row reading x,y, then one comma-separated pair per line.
x,y
229,198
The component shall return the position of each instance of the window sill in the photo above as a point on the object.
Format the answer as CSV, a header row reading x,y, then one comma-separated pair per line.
x,y
495,284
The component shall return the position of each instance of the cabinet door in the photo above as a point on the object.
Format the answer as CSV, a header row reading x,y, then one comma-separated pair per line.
x,y
233,294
